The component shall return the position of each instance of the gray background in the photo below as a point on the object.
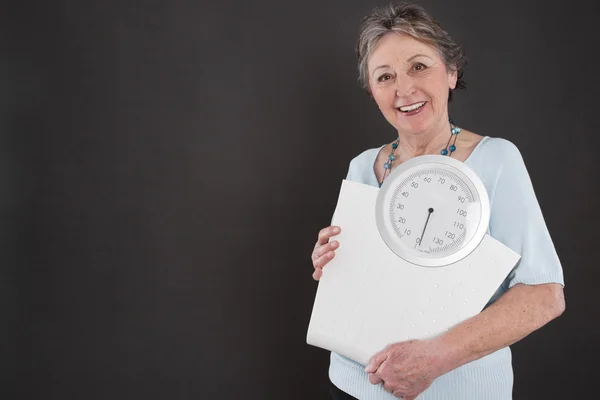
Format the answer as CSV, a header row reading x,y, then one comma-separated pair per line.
x,y
165,167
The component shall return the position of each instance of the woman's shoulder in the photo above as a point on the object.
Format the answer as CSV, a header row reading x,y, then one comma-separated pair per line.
x,y
501,145
366,157
361,166
490,149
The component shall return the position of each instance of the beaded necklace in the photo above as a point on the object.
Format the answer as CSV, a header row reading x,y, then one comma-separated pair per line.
x,y
447,151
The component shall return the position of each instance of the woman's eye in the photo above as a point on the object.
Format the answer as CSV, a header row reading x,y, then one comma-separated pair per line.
x,y
419,67
384,78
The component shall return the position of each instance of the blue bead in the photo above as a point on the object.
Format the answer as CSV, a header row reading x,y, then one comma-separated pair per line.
x,y
444,152
392,157
457,129
452,147
394,145
454,131
380,184
386,165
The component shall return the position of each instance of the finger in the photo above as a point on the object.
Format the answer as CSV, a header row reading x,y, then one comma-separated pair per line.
x,y
317,274
326,233
398,394
375,379
320,263
323,260
323,251
388,388
376,361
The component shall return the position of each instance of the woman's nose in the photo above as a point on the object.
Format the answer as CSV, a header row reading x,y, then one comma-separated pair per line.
x,y
404,87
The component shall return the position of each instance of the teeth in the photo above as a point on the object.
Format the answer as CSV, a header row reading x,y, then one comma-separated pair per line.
x,y
412,107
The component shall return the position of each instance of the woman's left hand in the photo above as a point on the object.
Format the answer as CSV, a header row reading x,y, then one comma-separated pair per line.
x,y
406,369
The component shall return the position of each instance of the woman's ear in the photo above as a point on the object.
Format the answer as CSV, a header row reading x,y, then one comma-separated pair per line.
x,y
452,78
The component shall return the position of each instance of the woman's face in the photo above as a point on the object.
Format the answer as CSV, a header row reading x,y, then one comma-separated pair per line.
x,y
410,83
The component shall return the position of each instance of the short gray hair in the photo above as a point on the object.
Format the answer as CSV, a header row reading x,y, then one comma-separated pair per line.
x,y
412,20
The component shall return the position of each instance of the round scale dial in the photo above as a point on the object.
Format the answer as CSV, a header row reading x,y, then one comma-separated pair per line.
x,y
432,210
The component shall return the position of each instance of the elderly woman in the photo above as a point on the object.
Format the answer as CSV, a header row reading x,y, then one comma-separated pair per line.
x,y
410,67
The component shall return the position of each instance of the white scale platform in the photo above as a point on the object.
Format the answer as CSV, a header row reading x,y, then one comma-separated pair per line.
x,y
368,297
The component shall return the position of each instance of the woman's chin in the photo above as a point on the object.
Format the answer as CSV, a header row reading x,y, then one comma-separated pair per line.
x,y
414,126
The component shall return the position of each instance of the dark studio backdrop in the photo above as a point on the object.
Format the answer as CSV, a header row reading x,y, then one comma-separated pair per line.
x,y
165,167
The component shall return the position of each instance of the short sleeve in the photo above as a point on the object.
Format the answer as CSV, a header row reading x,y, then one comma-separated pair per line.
x,y
517,221
349,173
348,178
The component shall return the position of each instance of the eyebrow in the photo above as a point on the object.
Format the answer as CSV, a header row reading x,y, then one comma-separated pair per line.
x,y
418,55
409,60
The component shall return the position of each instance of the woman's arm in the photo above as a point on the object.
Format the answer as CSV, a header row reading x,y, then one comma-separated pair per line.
x,y
406,369
518,312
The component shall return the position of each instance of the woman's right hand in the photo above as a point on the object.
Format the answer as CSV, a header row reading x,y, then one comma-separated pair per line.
x,y
324,250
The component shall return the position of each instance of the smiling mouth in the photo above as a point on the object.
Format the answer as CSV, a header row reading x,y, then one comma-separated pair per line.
x,y
412,107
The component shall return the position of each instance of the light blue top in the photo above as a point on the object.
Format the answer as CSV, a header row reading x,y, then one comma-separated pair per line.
x,y
517,221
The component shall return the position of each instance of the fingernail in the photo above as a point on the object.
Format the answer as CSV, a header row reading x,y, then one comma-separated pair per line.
x,y
330,254
336,230
335,244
